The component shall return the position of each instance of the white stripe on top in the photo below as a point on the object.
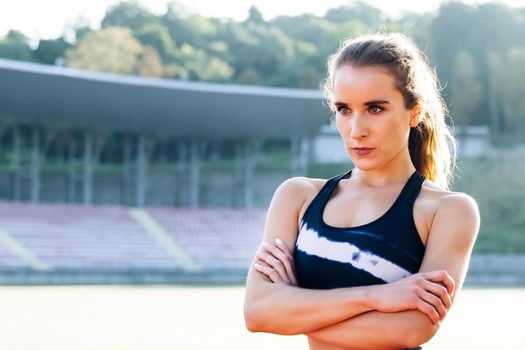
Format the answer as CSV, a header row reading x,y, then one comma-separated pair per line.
x,y
310,243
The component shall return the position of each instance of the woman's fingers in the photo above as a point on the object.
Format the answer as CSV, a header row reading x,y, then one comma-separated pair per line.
x,y
443,277
428,309
285,249
283,258
434,289
272,274
441,292
434,301
275,263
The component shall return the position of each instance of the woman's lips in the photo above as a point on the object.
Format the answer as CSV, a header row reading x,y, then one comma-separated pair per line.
x,y
362,151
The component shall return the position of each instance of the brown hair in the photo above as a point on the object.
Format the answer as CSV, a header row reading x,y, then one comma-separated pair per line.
x,y
429,141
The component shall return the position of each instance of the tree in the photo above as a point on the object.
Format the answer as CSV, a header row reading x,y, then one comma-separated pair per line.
x,y
250,77
453,21
255,15
465,89
262,48
507,74
371,16
113,49
200,66
150,64
157,36
48,51
128,14
15,46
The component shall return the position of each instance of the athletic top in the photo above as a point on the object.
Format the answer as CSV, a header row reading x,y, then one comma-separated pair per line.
x,y
382,251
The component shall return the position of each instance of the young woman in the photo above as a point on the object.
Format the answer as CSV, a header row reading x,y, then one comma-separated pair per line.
x,y
372,258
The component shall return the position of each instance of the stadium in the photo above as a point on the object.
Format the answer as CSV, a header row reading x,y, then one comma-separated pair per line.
x,y
115,180
152,213
120,179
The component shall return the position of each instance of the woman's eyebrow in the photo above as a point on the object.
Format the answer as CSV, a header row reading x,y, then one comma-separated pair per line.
x,y
375,102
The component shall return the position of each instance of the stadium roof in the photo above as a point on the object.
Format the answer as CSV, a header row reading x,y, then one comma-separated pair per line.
x,y
71,98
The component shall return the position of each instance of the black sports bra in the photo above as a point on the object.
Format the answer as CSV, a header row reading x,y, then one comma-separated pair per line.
x,y
382,251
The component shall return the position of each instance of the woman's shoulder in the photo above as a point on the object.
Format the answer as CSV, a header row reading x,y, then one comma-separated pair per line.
x,y
442,197
300,187
299,191
449,206
303,184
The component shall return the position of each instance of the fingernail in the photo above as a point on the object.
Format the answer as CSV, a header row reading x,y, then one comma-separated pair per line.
x,y
257,266
278,241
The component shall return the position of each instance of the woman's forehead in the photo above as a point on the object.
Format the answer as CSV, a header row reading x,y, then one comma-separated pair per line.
x,y
367,82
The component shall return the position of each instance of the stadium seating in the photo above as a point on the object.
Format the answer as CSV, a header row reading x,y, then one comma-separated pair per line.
x,y
226,238
64,236
74,236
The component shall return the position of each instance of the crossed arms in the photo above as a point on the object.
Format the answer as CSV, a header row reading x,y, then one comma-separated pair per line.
x,y
405,313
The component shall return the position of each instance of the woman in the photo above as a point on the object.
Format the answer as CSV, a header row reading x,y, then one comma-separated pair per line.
x,y
372,258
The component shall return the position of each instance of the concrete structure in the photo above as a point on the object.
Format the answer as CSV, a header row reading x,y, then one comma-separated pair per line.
x,y
75,116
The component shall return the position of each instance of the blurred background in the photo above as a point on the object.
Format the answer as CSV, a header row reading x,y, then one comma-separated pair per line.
x,y
141,144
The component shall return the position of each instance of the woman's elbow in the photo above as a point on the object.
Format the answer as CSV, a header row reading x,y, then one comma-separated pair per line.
x,y
252,320
256,316
260,320
419,333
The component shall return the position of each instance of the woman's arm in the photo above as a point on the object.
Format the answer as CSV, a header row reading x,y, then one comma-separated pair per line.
x,y
285,309
451,239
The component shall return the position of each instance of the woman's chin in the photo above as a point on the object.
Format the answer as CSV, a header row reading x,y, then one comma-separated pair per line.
x,y
363,164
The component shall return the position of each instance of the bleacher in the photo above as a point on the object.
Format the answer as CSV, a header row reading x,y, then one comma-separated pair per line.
x,y
214,237
62,243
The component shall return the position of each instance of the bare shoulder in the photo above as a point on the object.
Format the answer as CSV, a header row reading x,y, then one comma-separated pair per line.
x,y
299,188
298,184
449,209
444,200
298,192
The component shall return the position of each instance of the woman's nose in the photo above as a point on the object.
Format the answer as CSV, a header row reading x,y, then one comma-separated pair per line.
x,y
359,129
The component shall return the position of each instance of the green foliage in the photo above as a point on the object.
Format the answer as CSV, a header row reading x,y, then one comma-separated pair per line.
x,y
498,239
507,74
156,35
112,49
49,50
255,15
200,66
357,11
465,89
128,14
150,63
15,45
257,46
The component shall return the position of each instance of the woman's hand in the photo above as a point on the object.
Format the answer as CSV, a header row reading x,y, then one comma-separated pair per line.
x,y
276,262
428,292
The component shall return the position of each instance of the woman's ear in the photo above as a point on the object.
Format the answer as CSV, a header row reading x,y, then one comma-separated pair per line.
x,y
415,116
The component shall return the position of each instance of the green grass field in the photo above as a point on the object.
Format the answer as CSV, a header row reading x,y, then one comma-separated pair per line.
x,y
191,318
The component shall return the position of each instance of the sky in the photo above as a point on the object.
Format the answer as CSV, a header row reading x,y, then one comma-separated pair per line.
x,y
47,19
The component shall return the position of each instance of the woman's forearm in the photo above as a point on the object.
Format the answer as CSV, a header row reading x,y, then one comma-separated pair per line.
x,y
378,330
289,310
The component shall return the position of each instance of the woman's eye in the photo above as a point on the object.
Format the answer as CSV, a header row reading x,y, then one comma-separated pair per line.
x,y
375,109
343,109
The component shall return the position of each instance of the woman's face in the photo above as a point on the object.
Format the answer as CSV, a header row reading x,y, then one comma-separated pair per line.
x,y
371,113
